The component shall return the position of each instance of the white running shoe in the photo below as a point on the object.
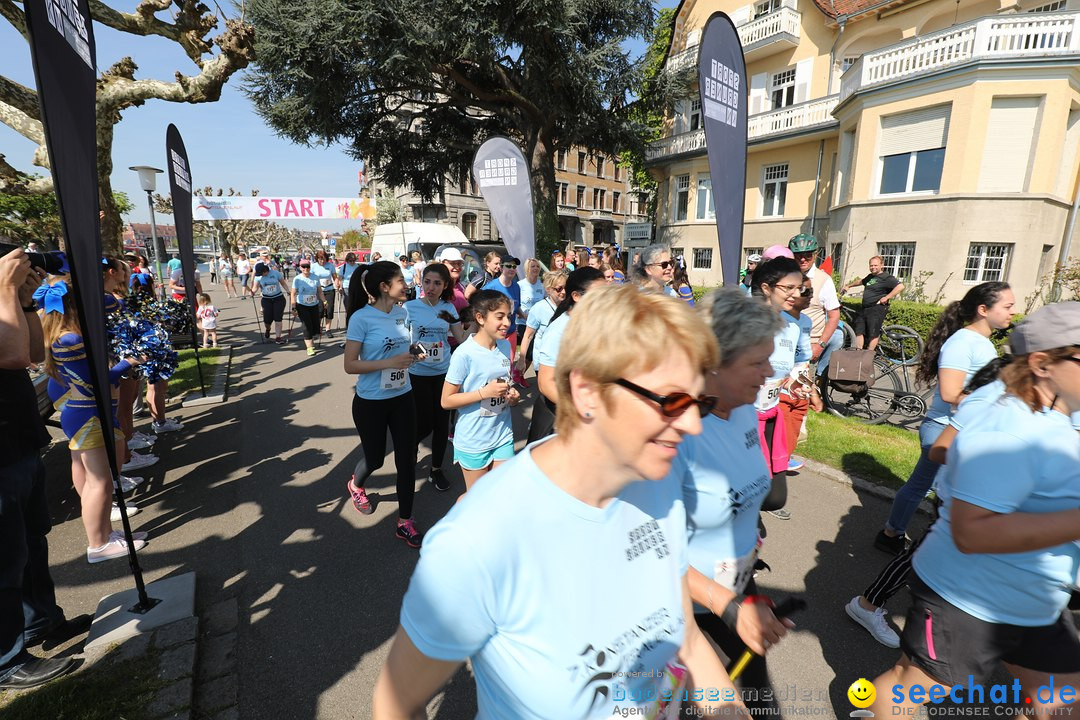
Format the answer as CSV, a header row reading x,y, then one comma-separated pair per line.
x,y
127,484
874,622
115,548
138,461
136,443
132,510
145,437
166,425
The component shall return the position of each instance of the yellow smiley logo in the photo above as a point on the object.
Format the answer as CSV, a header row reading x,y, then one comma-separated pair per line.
x,y
861,694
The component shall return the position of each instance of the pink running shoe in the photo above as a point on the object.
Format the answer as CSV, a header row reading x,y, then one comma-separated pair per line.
x,y
360,499
406,530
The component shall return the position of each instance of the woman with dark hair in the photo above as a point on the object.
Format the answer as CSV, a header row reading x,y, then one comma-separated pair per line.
x,y
577,284
377,349
270,283
307,299
680,282
326,273
992,579
432,320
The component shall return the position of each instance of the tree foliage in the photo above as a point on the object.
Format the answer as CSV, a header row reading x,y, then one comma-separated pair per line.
x,y
414,86
35,217
189,26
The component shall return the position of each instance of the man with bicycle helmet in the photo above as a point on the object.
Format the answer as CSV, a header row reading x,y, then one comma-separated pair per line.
x,y
824,309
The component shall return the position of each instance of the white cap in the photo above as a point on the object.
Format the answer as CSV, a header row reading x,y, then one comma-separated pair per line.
x,y
451,255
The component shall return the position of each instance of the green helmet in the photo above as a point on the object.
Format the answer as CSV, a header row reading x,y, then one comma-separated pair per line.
x,y
802,243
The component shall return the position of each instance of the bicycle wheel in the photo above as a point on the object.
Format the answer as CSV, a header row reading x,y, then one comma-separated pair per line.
x,y
849,336
872,405
901,344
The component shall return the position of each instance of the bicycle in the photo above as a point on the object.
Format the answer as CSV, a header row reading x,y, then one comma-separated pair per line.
x,y
893,389
899,343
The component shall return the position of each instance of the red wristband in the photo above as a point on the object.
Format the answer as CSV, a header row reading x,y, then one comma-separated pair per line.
x,y
752,599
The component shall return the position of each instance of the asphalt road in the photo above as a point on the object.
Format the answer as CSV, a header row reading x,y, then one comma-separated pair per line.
x,y
251,496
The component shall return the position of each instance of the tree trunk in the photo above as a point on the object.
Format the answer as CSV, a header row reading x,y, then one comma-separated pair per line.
x,y
111,233
545,196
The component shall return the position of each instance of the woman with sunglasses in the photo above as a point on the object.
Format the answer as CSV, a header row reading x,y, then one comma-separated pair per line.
x,y
725,480
631,394
779,282
578,283
655,269
307,301
506,283
540,316
329,281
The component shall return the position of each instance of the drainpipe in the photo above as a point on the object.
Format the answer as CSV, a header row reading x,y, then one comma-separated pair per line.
x,y
817,184
1066,245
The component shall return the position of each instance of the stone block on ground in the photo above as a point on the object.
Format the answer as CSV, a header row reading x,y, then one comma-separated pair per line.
x,y
173,701
217,656
220,618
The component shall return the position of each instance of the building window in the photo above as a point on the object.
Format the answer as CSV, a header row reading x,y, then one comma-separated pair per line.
x,y
1049,7
848,61
702,259
598,198
898,258
705,208
676,253
837,255
468,225
695,114
560,159
618,172
774,190
682,197
564,193
615,200
918,171
581,162
782,88
765,7
580,196
753,251
599,166
986,262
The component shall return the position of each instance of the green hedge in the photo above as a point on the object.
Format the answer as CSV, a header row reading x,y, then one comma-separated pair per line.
x,y
920,317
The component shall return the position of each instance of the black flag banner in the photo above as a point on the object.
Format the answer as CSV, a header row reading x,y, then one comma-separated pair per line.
x,y
503,177
723,88
62,46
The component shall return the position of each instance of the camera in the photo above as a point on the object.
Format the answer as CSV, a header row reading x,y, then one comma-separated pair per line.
x,y
54,263
417,349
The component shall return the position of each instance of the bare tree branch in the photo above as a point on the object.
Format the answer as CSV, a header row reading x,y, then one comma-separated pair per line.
x,y
14,16
20,97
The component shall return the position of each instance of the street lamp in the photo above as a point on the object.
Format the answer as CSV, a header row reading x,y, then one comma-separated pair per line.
x,y
148,182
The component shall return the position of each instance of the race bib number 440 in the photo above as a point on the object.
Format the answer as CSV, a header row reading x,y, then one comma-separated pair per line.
x,y
393,378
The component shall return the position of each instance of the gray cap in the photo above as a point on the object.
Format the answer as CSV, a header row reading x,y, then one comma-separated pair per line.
x,y
1047,328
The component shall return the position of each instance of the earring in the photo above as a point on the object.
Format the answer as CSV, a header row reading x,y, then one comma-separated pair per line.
x,y
588,414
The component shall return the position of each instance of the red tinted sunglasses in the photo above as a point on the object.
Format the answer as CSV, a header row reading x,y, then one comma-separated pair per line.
x,y
675,404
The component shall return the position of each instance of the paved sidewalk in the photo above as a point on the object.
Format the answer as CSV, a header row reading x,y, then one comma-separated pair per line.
x,y
298,594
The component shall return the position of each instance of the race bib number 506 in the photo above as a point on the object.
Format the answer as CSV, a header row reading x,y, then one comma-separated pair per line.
x,y
393,378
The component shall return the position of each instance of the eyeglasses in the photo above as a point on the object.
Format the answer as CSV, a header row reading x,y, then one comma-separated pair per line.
x,y
663,265
792,289
804,255
305,265
509,266
675,404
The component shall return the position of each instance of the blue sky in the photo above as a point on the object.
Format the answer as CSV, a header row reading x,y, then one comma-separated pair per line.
x,y
227,143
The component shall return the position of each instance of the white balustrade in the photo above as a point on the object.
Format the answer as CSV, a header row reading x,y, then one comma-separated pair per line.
x,y
784,20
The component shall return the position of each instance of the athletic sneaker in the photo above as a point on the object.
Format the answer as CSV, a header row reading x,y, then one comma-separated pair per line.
x,y
795,463
136,443
892,545
329,333
406,530
439,480
144,437
360,499
280,340
310,351
135,535
166,425
874,622
780,514
131,508
139,461
115,548
127,484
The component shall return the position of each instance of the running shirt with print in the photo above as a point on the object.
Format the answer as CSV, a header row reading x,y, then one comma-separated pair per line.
x,y
486,424
383,335
433,333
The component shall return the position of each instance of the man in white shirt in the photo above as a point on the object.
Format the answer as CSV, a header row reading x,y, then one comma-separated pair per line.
x,y
824,309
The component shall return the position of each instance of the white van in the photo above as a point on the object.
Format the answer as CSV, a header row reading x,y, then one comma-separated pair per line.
x,y
409,237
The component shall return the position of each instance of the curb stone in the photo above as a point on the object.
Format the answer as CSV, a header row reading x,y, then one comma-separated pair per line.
x,y
219,387
217,686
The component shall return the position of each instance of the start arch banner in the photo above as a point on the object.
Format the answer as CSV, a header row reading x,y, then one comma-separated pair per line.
x,y
220,207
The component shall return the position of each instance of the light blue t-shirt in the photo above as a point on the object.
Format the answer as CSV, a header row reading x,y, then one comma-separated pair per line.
x,y
306,290
270,284
724,481
409,274
803,353
531,294
347,271
432,331
965,350
486,424
971,409
323,273
514,293
174,264
785,348
496,585
539,318
383,335
548,351
1007,459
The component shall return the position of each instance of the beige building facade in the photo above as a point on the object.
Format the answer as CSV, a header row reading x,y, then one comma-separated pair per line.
x,y
943,135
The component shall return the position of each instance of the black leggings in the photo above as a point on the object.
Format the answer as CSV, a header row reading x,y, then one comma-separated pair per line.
x,y
372,419
543,418
328,308
777,496
430,416
309,318
756,688
273,310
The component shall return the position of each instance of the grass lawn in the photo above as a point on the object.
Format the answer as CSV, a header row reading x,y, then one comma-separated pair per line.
x,y
186,376
882,453
106,691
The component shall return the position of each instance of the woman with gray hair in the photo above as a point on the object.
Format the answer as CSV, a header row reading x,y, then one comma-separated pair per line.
x,y
725,480
656,269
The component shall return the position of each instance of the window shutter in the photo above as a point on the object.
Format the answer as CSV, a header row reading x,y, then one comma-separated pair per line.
x,y
742,15
1009,135
803,70
924,129
758,95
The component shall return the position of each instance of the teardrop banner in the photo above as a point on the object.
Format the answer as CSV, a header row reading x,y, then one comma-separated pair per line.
x,y
62,47
179,170
503,178
723,88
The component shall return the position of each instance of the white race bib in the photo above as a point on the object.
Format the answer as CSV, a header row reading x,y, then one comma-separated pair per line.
x,y
434,352
769,394
271,289
393,378
733,573
307,299
490,407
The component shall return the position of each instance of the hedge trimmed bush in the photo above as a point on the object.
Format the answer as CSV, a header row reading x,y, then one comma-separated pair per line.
x,y
920,317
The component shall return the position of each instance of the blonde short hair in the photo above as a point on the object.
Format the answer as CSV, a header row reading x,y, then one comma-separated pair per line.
x,y
620,330
552,277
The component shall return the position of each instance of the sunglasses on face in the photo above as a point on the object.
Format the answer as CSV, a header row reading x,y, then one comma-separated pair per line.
x,y
675,404
509,266
305,266
663,265
804,255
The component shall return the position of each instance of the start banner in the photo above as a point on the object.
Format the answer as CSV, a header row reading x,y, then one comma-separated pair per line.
x,y
219,207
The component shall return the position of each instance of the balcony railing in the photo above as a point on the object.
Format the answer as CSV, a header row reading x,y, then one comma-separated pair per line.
x,y
804,116
783,24
1000,37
